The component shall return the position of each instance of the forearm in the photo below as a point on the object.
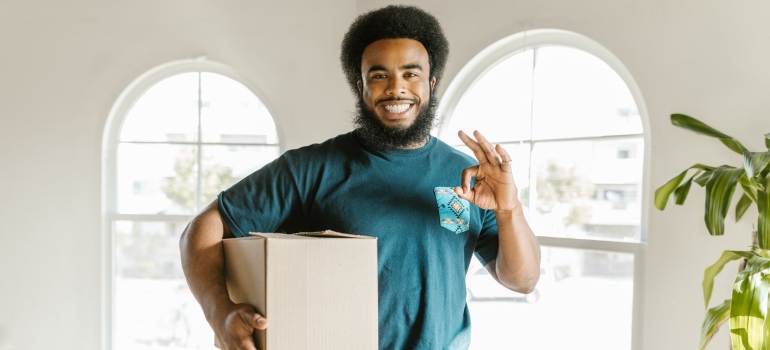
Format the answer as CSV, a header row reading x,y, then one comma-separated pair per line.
x,y
518,258
203,260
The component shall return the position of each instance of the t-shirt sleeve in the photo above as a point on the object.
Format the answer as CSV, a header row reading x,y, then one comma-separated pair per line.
x,y
487,244
262,202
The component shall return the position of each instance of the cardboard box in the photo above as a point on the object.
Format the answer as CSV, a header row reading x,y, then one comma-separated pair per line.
x,y
317,290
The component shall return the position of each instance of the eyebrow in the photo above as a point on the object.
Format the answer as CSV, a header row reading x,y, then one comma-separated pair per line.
x,y
378,67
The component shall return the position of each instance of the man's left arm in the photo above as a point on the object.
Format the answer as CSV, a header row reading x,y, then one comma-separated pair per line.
x,y
517,266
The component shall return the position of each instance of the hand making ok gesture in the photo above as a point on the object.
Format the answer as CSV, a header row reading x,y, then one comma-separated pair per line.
x,y
494,188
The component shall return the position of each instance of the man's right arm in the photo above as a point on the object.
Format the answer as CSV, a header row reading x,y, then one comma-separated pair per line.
x,y
203,265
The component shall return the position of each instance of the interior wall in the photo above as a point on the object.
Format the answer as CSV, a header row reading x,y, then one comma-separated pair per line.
x,y
62,66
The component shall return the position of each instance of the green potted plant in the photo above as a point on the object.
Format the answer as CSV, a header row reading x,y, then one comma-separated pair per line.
x,y
747,310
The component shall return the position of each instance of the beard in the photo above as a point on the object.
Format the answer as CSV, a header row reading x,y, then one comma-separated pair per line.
x,y
381,137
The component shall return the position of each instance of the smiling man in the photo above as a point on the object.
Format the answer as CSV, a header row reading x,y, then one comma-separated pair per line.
x,y
388,178
395,94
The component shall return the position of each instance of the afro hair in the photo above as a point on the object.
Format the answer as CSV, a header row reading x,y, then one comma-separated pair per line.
x,y
393,22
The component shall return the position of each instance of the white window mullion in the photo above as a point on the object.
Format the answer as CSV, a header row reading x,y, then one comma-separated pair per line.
x,y
149,217
591,244
199,148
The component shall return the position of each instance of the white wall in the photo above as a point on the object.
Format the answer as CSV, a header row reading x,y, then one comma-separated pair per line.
x,y
63,64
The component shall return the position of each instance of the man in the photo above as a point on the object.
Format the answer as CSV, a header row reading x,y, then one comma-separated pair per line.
x,y
389,179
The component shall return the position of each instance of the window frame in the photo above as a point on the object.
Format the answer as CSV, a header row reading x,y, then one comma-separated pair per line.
x,y
110,141
517,43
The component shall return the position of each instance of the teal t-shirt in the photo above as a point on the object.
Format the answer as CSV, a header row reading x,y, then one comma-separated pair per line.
x,y
425,233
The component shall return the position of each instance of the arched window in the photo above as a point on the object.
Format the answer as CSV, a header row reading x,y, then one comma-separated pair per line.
x,y
573,120
176,137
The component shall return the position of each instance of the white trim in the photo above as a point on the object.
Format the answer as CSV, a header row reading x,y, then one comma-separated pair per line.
x,y
150,217
519,42
522,41
591,244
581,138
110,140
108,282
637,309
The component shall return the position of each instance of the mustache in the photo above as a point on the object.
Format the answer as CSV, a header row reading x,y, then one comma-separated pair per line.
x,y
392,99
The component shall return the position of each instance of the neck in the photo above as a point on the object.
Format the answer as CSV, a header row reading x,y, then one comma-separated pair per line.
x,y
384,146
415,145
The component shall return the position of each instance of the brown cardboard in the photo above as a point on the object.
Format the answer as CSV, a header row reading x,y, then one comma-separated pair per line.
x,y
318,290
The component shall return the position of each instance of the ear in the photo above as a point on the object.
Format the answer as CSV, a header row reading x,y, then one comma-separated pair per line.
x,y
360,88
432,83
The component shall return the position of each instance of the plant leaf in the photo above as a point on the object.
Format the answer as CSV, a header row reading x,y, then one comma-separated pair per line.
x,y
715,317
692,124
719,192
713,270
663,192
680,194
763,222
743,204
748,189
755,162
749,307
704,177
767,141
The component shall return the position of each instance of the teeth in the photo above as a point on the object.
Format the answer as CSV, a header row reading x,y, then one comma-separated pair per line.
x,y
397,108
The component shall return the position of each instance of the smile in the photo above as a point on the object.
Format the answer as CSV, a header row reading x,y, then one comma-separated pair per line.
x,y
397,109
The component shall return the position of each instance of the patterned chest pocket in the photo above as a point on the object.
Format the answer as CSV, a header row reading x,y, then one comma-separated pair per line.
x,y
454,212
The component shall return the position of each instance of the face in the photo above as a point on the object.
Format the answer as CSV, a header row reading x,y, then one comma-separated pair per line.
x,y
395,81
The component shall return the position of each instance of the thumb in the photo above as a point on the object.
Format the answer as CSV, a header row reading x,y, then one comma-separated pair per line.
x,y
464,190
253,319
464,193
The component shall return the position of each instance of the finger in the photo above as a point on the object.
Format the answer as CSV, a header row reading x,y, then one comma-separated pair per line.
x,y
247,344
504,156
238,341
259,322
474,146
253,319
489,150
467,174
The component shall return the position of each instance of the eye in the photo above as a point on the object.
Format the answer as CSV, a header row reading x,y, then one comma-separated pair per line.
x,y
379,76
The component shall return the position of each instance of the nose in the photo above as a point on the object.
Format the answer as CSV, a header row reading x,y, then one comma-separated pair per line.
x,y
396,85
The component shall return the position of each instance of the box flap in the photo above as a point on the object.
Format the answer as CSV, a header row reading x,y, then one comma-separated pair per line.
x,y
319,234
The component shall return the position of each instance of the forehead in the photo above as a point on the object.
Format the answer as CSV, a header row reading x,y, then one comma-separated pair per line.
x,y
392,53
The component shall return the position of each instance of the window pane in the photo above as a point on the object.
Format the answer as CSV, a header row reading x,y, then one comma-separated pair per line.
x,y
587,189
231,113
167,112
154,309
585,297
520,153
157,179
223,166
576,94
498,104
